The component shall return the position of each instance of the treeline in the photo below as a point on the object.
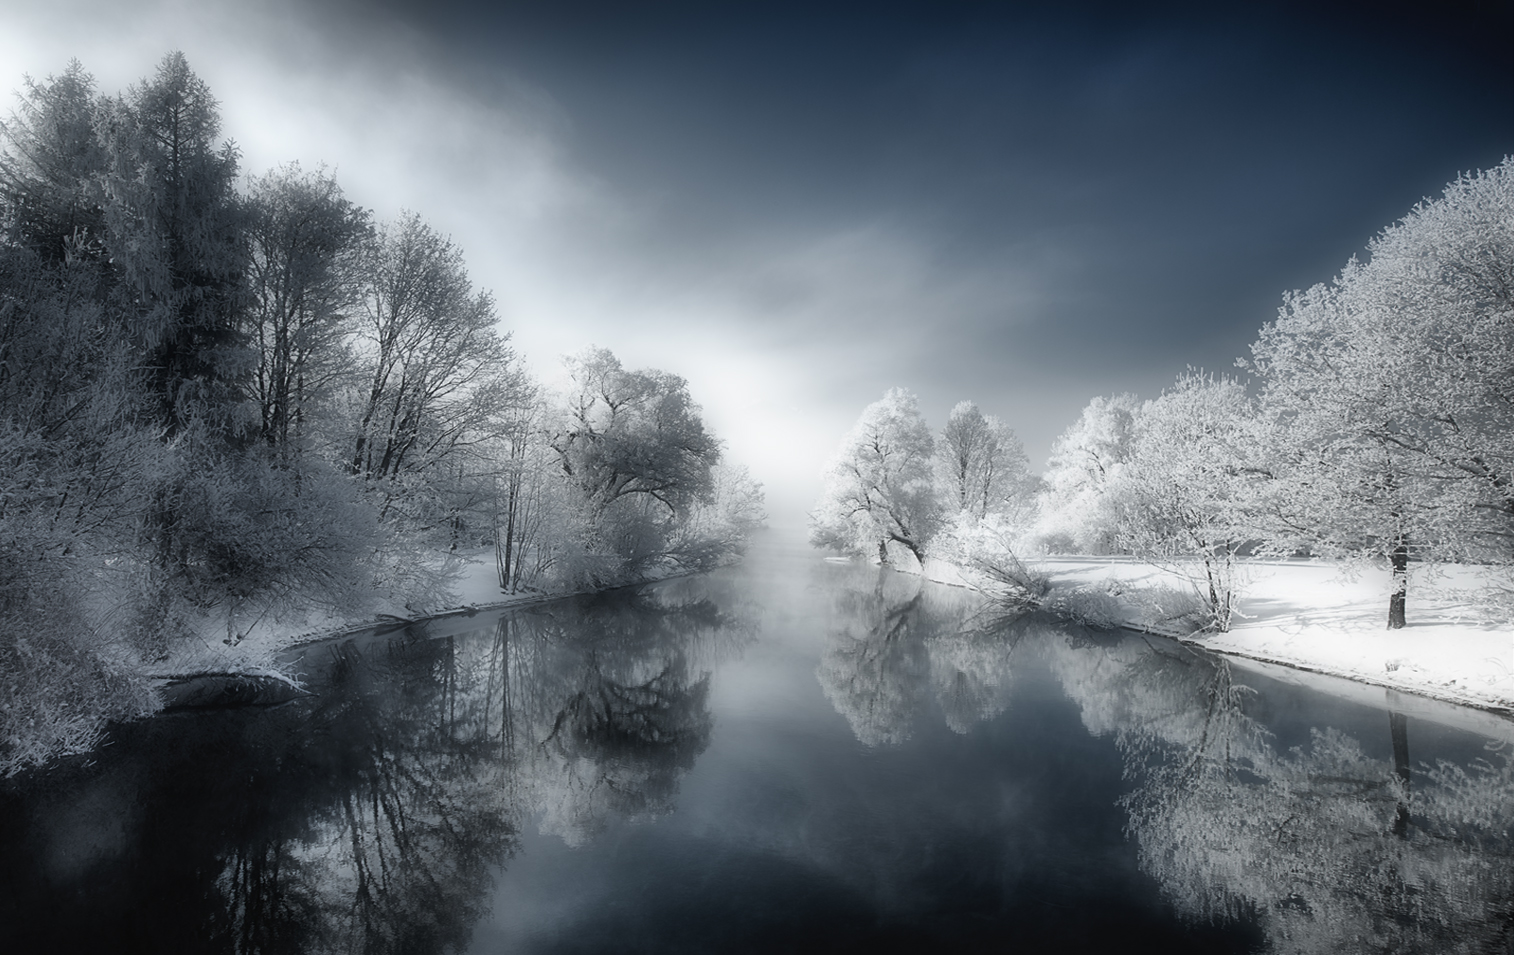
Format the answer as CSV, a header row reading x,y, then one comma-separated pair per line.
x,y
224,399
1377,424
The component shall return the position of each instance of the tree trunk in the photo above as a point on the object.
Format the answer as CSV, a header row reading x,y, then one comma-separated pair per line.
x,y
919,554
1400,562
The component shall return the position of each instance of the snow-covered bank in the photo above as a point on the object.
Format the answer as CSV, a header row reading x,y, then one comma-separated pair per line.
x,y
1312,615
475,587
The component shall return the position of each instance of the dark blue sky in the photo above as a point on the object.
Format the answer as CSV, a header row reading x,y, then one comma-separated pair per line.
x,y
799,206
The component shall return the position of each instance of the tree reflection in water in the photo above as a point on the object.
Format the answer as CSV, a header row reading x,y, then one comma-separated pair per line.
x,y
371,816
875,671
901,644
606,728
1324,846
1327,847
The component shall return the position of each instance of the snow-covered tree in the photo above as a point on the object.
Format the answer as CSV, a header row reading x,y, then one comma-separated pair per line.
x,y
982,465
437,371
880,488
634,447
633,434
73,454
717,528
220,408
1391,392
1074,509
51,166
1182,495
172,220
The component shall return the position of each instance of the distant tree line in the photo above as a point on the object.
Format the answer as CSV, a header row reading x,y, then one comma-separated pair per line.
x,y
1379,426
225,398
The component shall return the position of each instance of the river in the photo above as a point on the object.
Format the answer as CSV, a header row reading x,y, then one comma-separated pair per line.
x,y
790,755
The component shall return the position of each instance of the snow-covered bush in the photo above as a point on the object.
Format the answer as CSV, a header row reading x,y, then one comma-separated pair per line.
x,y
984,552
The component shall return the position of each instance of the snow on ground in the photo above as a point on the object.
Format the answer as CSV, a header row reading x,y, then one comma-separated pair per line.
x,y
476,587
1317,616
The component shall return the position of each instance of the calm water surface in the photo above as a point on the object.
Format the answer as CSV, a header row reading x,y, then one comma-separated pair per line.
x,y
794,755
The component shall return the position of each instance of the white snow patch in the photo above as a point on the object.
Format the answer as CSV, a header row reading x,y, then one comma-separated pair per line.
x,y
476,587
1318,616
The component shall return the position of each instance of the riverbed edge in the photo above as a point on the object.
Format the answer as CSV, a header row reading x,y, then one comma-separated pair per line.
x,y
283,643
1444,657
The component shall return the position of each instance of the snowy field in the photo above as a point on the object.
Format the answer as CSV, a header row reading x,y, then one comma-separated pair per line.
x,y
1318,617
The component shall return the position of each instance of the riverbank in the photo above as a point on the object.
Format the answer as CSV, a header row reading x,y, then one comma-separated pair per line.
x,y
475,587
1310,616
1317,616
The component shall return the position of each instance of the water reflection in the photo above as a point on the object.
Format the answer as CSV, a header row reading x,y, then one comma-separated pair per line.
x,y
971,798
1342,842
901,644
372,816
605,726
1328,847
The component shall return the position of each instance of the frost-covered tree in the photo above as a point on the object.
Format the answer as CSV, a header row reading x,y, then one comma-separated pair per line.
x,y
634,447
717,528
633,434
303,239
880,487
51,166
1182,496
1391,392
221,408
439,388
73,459
1074,509
523,502
437,372
981,463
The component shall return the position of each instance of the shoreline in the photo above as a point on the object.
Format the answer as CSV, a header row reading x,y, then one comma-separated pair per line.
x,y
1310,616
477,592
1324,618
1497,708
1306,616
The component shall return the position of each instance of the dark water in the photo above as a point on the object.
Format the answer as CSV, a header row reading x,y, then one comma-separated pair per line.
x,y
791,756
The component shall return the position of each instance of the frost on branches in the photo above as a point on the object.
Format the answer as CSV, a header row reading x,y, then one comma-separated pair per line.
x,y
1073,509
1390,393
1181,498
893,486
879,489
1382,429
